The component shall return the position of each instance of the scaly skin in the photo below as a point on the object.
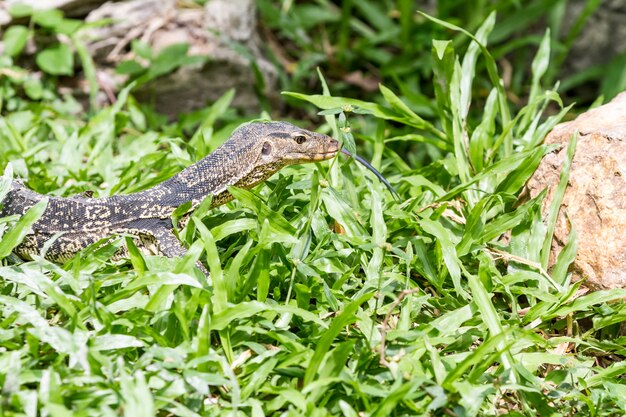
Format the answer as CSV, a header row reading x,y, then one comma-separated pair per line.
x,y
252,154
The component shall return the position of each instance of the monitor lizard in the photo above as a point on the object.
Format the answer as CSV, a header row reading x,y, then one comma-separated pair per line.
x,y
253,153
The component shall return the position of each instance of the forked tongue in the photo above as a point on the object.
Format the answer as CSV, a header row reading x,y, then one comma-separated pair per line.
x,y
369,166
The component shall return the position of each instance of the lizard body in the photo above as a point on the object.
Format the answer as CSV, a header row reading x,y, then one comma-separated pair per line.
x,y
251,155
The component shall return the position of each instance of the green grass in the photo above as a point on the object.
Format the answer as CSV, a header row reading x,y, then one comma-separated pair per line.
x,y
326,296
361,43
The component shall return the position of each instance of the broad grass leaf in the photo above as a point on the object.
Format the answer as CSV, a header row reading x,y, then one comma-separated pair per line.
x,y
447,242
472,396
435,141
540,65
468,66
346,316
459,132
375,14
613,78
59,338
565,257
527,237
202,341
330,118
167,282
516,179
482,299
260,275
555,205
424,264
347,410
231,227
476,359
421,181
450,322
89,70
232,276
56,60
503,166
259,378
201,211
282,230
135,256
14,236
114,341
397,395
474,226
616,317
507,221
14,39
538,313
6,180
244,310
490,317
484,134
43,286
492,70
443,66
602,375
546,127
187,262
585,302
136,396
220,290
328,102
398,105
341,211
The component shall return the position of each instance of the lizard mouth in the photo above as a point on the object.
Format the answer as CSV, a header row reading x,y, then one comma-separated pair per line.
x,y
322,156
308,157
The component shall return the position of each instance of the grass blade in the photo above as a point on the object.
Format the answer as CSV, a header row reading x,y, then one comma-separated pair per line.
x,y
16,234
555,206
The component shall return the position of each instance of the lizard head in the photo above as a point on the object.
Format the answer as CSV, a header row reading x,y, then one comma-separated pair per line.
x,y
252,154
257,150
281,144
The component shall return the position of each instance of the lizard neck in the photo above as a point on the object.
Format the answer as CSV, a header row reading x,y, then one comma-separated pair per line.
x,y
230,164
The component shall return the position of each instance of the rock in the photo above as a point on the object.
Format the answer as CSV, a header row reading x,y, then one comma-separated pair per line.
x,y
210,31
595,199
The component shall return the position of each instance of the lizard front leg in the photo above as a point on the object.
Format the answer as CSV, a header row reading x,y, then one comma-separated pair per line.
x,y
170,246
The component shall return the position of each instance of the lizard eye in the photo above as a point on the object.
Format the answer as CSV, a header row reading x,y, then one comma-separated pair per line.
x,y
267,148
300,139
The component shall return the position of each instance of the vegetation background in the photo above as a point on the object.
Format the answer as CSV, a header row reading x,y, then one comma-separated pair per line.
x,y
326,296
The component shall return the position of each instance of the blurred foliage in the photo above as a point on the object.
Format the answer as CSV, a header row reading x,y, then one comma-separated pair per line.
x,y
358,44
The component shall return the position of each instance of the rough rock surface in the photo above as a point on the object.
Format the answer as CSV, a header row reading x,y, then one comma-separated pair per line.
x,y
595,199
